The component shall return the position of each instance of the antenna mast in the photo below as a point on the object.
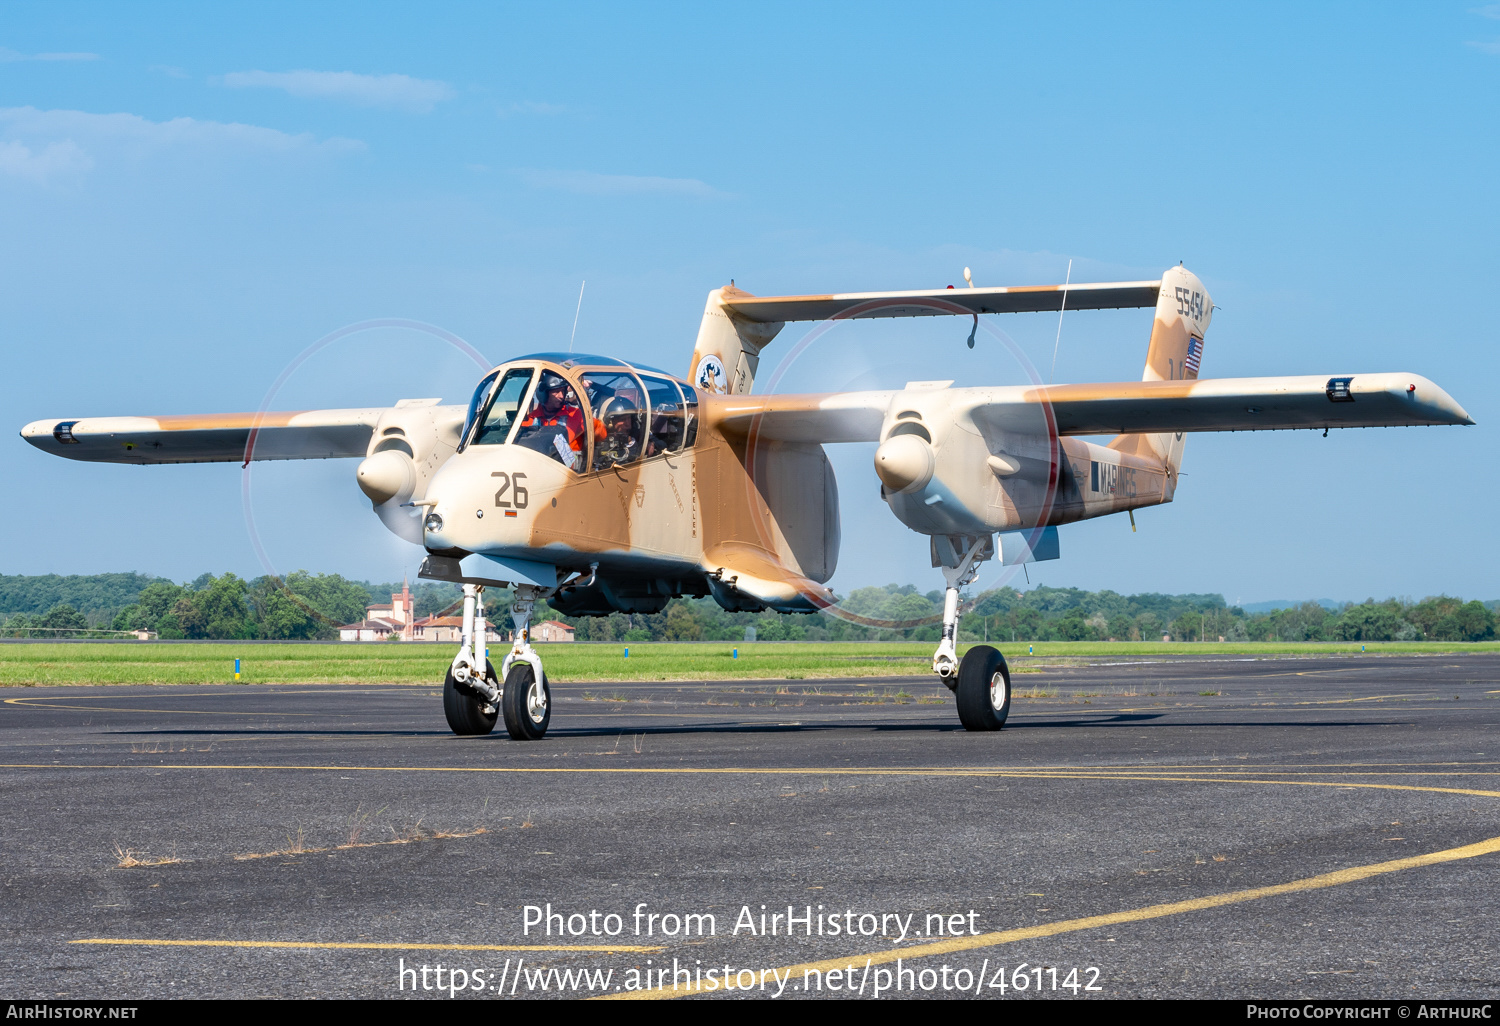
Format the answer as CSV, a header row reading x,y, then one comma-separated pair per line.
x,y
580,310
1060,311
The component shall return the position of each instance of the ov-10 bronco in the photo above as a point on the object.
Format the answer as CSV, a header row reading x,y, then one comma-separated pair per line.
x,y
600,485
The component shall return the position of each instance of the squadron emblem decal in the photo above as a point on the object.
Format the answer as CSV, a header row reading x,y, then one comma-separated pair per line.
x,y
710,375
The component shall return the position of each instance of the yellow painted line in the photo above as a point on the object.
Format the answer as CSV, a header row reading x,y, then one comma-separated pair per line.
x,y
769,771
1372,698
1235,766
1231,777
1241,780
987,940
678,770
360,945
32,703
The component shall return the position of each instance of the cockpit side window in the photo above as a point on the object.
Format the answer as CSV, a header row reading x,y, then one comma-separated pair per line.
x,y
690,398
554,424
500,411
618,403
664,430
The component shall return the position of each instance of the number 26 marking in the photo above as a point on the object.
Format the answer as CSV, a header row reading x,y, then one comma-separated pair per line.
x,y
521,496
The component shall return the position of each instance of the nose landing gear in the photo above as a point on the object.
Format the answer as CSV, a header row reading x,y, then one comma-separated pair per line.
x,y
474,698
981,681
471,696
527,701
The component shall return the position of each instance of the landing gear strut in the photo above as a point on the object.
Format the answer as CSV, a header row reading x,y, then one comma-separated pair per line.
x,y
945,659
473,696
527,700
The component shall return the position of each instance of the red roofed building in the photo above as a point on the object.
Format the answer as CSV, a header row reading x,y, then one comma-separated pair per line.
x,y
384,618
551,630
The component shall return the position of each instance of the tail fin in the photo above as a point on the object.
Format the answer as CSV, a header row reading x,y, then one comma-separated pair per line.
x,y
728,350
1183,312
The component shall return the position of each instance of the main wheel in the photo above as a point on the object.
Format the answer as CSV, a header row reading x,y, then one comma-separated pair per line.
x,y
983,689
465,707
527,703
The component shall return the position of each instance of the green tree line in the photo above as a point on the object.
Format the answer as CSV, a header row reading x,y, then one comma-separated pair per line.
x,y
312,606
301,606
1056,614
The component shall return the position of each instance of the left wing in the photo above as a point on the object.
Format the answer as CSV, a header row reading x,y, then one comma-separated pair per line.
x,y
211,438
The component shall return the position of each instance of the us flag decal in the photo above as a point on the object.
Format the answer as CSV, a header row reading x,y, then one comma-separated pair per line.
x,y
1194,355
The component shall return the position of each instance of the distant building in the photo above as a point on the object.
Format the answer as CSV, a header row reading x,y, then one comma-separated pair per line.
x,y
368,630
383,619
551,630
450,629
399,617
438,628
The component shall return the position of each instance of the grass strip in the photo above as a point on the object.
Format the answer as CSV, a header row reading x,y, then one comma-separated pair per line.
x,y
397,663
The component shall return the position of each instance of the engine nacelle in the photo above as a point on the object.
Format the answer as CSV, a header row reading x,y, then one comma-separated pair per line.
x,y
410,442
944,475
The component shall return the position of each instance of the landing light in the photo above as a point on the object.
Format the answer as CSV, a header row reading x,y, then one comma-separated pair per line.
x,y
433,522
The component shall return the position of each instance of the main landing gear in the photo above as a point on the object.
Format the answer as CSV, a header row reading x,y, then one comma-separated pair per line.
x,y
473,699
981,681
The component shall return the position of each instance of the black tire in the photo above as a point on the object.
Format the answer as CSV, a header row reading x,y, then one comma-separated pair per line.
x,y
983,689
527,705
465,707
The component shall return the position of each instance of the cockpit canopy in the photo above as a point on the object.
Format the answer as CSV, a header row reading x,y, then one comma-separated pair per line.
x,y
589,413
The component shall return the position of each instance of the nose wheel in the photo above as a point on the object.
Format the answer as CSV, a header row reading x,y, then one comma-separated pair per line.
x,y
469,712
527,703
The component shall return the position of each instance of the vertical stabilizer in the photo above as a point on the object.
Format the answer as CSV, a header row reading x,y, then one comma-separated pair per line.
x,y
728,350
1183,312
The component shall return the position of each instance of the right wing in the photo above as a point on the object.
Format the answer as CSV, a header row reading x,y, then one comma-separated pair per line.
x,y
1115,407
827,417
211,438
1226,404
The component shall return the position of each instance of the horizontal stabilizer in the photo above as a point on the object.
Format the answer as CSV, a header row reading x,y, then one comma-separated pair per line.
x,y
940,302
211,438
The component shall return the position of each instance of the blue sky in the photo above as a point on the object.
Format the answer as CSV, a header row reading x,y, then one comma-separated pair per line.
x,y
190,196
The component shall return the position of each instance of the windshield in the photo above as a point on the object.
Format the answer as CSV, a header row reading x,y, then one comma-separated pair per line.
x,y
501,406
477,403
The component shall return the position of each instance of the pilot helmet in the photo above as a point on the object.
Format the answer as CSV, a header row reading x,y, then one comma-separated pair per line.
x,y
616,408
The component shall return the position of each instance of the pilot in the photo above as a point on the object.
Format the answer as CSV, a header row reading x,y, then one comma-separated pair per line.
x,y
621,443
556,406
